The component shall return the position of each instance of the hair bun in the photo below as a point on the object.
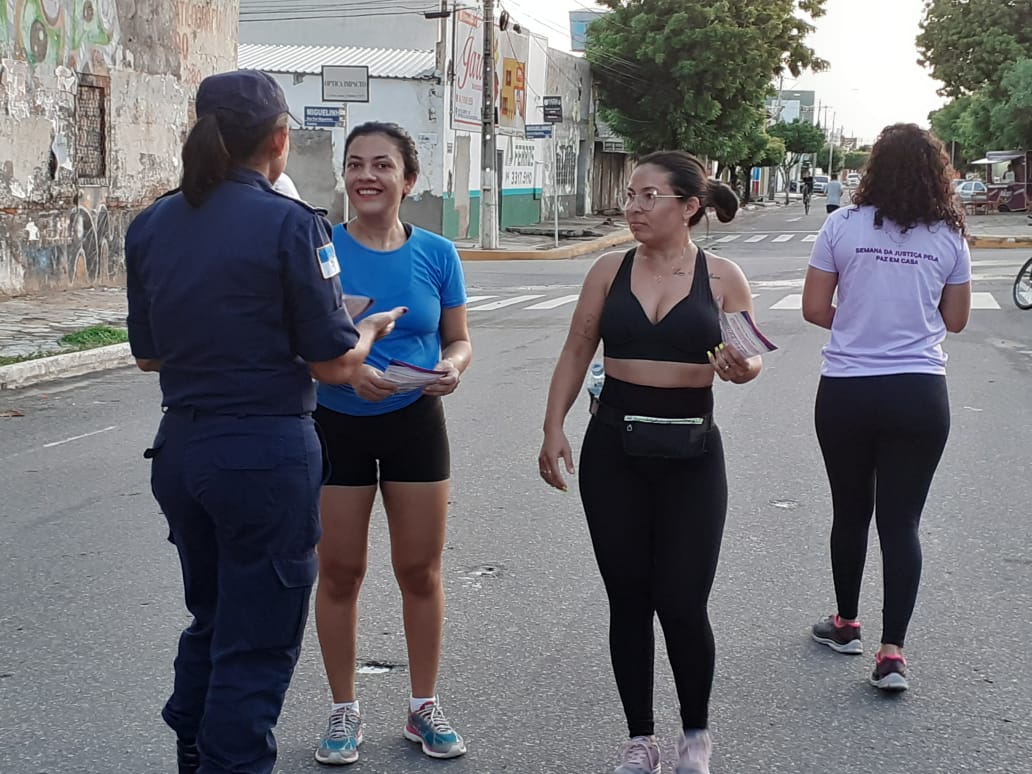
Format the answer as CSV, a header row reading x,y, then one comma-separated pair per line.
x,y
723,200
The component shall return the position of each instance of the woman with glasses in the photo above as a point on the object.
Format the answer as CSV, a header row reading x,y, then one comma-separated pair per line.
x,y
652,477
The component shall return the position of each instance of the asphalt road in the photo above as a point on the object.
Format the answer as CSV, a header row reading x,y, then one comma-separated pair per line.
x,y
90,600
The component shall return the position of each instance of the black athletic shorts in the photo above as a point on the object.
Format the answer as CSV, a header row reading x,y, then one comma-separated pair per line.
x,y
407,445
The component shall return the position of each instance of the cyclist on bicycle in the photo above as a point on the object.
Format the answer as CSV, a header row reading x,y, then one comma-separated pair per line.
x,y
807,181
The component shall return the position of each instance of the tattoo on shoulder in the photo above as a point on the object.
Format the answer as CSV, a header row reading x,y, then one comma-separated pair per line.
x,y
714,276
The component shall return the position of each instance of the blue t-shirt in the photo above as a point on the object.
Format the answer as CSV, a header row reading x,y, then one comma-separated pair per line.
x,y
424,274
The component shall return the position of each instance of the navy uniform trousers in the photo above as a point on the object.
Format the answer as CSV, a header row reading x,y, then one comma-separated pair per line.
x,y
241,497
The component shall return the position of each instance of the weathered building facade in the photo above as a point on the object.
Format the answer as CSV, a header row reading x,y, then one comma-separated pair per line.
x,y
425,67
95,101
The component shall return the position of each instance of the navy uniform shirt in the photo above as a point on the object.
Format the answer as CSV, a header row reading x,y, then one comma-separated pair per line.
x,y
233,297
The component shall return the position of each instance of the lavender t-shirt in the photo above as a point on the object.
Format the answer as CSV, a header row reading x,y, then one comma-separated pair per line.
x,y
887,319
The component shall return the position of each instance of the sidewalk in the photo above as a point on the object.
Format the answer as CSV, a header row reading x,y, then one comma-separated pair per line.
x,y
1001,229
34,323
577,236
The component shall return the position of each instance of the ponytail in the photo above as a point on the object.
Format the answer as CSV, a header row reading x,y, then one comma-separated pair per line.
x,y
217,142
206,162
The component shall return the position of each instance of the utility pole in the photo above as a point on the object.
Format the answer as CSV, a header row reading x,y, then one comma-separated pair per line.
x,y
488,155
831,145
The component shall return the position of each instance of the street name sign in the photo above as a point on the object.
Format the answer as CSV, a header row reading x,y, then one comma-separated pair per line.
x,y
553,109
326,117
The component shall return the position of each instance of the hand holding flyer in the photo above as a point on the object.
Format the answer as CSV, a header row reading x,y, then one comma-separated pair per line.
x,y
739,330
406,376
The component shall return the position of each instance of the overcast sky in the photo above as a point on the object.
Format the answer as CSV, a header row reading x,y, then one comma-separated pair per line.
x,y
874,78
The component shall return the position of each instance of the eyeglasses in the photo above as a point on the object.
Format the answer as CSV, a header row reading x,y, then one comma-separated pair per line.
x,y
646,200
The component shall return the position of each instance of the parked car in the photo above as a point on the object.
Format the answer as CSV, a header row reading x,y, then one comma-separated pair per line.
x,y
820,184
853,179
970,190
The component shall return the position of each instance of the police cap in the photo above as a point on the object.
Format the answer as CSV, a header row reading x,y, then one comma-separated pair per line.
x,y
252,96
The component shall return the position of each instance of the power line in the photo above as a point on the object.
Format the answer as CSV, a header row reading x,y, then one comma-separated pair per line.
x,y
336,16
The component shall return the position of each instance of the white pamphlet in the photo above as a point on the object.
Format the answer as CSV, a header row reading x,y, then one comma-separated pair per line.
x,y
739,330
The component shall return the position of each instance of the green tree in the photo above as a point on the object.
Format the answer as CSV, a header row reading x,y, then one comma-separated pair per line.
x,y
1011,118
692,74
981,50
838,159
801,138
970,44
963,127
856,159
754,148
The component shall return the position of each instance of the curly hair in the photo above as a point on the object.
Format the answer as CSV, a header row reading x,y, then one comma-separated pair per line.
x,y
908,179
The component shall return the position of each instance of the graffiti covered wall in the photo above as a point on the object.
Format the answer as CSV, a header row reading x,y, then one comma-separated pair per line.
x,y
95,96
78,34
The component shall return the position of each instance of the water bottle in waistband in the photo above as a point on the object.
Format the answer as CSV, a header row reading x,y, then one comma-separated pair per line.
x,y
593,384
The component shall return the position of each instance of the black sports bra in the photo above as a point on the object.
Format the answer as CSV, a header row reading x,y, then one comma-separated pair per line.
x,y
682,335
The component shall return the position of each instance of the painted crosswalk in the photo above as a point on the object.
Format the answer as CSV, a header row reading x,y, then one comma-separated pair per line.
x,y
786,236
554,303
504,302
775,296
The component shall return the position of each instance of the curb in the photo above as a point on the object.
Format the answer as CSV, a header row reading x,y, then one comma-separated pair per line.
x,y
551,254
1000,241
46,369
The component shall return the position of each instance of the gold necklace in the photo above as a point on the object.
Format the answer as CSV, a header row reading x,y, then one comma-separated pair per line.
x,y
678,270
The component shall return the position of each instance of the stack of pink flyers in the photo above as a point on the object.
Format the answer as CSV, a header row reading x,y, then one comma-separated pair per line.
x,y
410,377
739,330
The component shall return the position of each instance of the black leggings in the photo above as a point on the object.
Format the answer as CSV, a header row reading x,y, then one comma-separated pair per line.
x,y
656,527
882,438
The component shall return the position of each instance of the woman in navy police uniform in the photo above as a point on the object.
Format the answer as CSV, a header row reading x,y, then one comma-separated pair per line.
x,y
234,299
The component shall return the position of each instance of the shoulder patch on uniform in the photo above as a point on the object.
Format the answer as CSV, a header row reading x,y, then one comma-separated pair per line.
x,y
328,260
301,203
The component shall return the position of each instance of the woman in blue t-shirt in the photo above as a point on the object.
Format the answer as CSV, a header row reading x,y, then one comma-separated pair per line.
x,y
382,434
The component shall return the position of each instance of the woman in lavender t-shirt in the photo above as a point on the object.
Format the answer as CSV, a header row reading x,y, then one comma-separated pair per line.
x,y
902,269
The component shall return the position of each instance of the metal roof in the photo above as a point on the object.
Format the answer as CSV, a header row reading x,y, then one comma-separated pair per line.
x,y
382,62
995,157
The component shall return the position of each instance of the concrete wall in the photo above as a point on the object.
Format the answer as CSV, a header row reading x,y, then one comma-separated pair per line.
x,y
62,224
569,166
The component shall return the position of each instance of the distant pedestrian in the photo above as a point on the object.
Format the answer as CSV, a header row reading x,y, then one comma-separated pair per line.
x,y
233,298
834,193
381,437
652,478
902,271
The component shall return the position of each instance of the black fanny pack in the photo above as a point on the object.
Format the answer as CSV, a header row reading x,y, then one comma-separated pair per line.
x,y
659,437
